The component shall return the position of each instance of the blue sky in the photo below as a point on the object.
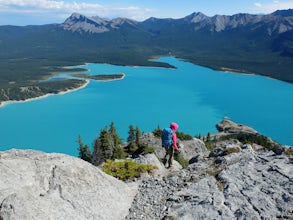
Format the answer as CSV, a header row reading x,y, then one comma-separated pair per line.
x,y
26,12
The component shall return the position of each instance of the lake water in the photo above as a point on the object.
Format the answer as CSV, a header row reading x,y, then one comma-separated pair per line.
x,y
197,98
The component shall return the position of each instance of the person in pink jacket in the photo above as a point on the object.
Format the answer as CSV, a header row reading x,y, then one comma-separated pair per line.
x,y
170,150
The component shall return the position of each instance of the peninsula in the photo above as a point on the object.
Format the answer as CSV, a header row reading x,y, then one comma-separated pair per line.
x,y
100,77
43,90
244,43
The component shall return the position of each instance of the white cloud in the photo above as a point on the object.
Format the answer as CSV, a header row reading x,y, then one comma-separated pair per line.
x,y
45,4
273,6
257,4
62,8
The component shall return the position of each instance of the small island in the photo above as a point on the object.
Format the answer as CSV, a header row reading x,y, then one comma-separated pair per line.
x,y
100,77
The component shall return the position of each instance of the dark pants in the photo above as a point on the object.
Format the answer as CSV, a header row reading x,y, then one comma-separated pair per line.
x,y
169,156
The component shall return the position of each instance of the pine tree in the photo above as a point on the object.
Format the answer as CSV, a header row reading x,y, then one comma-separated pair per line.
x,y
97,153
119,153
132,147
116,141
131,134
84,151
107,149
158,132
114,135
137,136
208,137
102,149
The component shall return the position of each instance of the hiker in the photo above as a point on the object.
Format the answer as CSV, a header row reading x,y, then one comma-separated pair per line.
x,y
169,142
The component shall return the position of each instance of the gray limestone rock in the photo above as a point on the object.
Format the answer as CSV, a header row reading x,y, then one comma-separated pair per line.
x,y
236,181
241,185
36,185
228,126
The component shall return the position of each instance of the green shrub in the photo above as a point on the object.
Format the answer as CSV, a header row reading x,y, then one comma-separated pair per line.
x,y
158,132
289,151
252,138
132,148
214,170
231,150
183,137
180,159
127,169
180,135
209,145
149,150
119,153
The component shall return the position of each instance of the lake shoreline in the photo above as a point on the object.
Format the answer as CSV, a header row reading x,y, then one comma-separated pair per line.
x,y
2,104
201,101
87,81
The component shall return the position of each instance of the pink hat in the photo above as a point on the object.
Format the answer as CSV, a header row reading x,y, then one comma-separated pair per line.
x,y
174,126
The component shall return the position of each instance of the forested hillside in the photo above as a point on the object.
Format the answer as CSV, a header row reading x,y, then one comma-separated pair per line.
x,y
259,44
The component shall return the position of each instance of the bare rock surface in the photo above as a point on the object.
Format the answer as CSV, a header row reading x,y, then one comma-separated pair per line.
x,y
243,184
228,126
36,185
230,181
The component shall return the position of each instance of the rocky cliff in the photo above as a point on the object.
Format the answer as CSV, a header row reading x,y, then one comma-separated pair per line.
x,y
36,185
230,181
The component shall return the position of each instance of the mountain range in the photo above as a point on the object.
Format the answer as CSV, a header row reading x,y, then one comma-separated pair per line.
x,y
245,43
273,24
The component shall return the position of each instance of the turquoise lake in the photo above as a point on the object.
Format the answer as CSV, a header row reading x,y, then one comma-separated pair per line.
x,y
195,97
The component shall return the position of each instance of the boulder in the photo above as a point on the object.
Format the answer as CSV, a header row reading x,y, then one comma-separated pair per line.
x,y
228,126
37,185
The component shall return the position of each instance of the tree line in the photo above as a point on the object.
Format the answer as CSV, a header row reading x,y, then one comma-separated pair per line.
x,y
109,146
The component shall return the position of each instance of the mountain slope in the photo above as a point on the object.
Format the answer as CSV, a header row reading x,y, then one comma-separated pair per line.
x,y
260,44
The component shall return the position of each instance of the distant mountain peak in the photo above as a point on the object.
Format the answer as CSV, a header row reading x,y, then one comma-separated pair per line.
x,y
80,23
196,17
285,13
121,21
275,23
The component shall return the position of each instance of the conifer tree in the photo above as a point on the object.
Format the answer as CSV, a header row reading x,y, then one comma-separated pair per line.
x,y
137,136
114,135
102,149
107,149
84,151
97,153
116,141
119,153
131,134
132,147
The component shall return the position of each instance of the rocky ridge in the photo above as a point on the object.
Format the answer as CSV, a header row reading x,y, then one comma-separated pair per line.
x,y
274,23
243,185
80,23
231,181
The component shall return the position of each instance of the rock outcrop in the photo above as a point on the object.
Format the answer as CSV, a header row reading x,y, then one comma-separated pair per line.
x,y
228,126
36,185
244,184
230,181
